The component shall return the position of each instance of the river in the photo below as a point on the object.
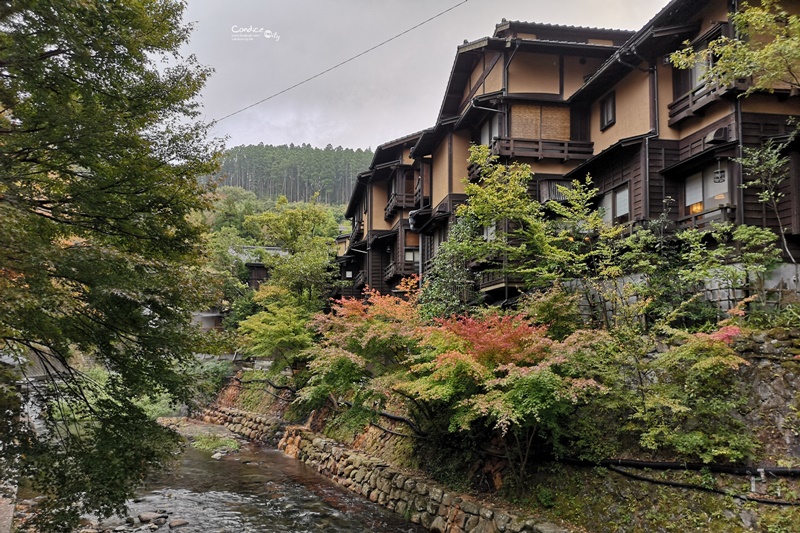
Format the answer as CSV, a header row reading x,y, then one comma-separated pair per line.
x,y
256,490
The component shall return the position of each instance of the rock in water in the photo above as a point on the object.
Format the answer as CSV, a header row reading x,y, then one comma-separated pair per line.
x,y
144,518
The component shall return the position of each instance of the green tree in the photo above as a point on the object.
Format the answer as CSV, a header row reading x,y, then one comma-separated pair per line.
x,y
765,50
232,207
500,201
99,162
281,331
305,232
449,287
770,168
292,226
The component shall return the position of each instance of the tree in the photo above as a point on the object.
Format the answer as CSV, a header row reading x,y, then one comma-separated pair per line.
x,y
770,167
305,233
765,50
449,287
293,226
365,346
500,201
99,160
281,331
502,373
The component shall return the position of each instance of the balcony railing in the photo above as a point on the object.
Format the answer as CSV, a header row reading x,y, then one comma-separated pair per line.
x,y
397,201
543,148
400,269
721,213
474,172
418,193
358,230
361,279
494,279
695,100
549,190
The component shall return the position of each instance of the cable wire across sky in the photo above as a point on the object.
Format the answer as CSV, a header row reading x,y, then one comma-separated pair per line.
x,y
334,67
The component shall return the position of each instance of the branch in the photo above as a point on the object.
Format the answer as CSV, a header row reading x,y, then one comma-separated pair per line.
x,y
390,416
389,431
41,57
268,382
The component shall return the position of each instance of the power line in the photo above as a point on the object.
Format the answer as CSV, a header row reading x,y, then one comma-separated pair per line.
x,y
368,50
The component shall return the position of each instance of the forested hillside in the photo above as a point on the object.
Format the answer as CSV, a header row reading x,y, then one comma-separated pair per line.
x,y
294,171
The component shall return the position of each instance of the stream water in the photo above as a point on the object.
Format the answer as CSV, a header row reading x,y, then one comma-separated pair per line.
x,y
258,490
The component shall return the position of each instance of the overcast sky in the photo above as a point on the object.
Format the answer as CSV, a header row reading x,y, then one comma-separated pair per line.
x,y
394,90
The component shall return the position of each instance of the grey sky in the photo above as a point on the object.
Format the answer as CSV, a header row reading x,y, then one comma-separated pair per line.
x,y
390,92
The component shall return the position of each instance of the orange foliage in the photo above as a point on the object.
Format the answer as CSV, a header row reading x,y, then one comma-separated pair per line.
x,y
498,339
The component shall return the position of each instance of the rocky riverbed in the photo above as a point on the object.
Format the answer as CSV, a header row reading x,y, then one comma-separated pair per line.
x,y
251,489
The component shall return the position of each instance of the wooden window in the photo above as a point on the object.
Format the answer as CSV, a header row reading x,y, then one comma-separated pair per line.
x,y
490,232
707,189
534,121
490,129
687,80
608,111
615,206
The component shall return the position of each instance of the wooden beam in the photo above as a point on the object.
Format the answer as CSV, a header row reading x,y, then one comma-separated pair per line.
x,y
486,71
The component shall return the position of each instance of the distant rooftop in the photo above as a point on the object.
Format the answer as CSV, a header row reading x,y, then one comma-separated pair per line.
x,y
559,32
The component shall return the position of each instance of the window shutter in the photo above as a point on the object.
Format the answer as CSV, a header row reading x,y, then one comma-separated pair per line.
x,y
694,189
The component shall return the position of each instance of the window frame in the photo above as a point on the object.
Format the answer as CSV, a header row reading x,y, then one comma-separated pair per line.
x,y
608,110
710,171
686,81
612,196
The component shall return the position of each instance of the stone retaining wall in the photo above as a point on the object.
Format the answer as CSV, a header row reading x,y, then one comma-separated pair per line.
x,y
253,426
418,499
772,381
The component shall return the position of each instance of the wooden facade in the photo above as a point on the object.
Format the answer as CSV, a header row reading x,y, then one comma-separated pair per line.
x,y
573,102
381,249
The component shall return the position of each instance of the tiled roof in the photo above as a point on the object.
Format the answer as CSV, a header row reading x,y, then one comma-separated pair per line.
x,y
546,25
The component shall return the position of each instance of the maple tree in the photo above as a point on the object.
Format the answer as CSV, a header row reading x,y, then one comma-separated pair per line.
x,y
363,339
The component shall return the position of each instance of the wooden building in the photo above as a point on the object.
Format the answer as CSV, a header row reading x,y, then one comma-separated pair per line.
x,y
572,101
665,140
381,248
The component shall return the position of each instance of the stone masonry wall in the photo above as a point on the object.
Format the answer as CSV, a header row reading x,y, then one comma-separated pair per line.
x,y
253,426
420,500
772,380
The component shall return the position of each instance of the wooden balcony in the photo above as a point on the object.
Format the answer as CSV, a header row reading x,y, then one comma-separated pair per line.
x,y
400,269
495,279
474,172
418,196
398,201
358,231
720,214
692,103
549,190
361,279
543,148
